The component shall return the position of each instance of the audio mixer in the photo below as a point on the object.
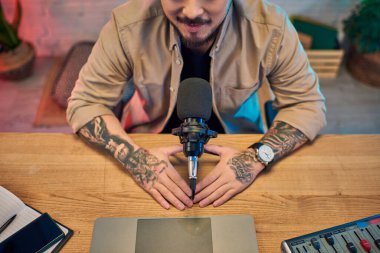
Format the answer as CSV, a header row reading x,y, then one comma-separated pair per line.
x,y
361,236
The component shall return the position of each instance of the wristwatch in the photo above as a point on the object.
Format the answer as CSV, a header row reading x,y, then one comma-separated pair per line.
x,y
263,153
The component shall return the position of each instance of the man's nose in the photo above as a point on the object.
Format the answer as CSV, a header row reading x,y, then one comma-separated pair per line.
x,y
192,9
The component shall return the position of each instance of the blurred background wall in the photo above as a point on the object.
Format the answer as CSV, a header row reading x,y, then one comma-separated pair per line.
x,y
54,25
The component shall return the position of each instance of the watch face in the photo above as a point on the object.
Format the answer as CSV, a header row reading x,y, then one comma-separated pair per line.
x,y
266,153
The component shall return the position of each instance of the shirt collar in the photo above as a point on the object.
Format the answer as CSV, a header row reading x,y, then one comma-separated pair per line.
x,y
222,32
173,36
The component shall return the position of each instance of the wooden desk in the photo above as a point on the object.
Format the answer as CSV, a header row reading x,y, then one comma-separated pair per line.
x,y
333,181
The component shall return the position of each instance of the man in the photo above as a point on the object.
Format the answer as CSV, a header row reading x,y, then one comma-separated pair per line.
x,y
236,46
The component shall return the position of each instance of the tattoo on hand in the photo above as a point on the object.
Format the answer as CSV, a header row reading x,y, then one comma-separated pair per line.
x,y
145,167
142,165
283,138
241,164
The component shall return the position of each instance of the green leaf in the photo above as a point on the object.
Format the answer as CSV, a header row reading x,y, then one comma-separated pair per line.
x,y
17,17
362,27
8,36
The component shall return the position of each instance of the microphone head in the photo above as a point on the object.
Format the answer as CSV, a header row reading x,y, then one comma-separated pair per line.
x,y
194,99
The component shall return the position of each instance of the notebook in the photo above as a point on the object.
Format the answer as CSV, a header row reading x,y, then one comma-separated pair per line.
x,y
213,234
11,205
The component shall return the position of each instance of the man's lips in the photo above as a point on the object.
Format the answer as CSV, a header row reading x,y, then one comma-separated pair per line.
x,y
193,28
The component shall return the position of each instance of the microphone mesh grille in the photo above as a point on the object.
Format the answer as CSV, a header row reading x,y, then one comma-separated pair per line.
x,y
194,99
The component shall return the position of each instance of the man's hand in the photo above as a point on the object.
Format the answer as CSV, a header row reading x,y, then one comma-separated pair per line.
x,y
235,171
153,171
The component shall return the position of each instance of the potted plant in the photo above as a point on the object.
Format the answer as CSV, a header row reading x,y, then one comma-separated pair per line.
x,y
16,55
362,29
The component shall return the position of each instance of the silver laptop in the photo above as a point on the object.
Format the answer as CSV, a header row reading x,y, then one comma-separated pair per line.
x,y
214,234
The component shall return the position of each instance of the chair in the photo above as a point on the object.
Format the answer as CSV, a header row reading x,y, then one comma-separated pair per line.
x,y
266,98
270,112
69,72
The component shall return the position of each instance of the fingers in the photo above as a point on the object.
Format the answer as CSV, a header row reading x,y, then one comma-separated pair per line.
x,y
227,196
170,185
214,149
208,180
209,148
173,189
177,191
217,187
172,150
214,196
217,197
169,196
217,194
211,192
160,200
179,181
174,196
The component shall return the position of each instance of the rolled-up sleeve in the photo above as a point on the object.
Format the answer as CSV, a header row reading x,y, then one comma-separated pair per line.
x,y
101,80
295,85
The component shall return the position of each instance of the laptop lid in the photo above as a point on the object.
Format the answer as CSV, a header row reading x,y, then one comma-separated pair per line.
x,y
214,234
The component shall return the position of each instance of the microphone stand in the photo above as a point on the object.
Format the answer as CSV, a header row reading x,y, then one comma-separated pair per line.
x,y
193,134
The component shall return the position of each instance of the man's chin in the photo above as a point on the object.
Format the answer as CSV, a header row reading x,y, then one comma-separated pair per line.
x,y
194,44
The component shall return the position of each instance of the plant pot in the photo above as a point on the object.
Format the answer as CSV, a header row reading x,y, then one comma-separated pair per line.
x,y
17,64
364,67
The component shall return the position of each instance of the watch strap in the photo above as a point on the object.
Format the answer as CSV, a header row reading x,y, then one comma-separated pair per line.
x,y
256,145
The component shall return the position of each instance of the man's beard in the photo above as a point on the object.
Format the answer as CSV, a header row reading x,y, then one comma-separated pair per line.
x,y
196,43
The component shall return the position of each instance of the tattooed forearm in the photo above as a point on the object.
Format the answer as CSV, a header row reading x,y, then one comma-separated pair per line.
x,y
283,138
241,164
142,165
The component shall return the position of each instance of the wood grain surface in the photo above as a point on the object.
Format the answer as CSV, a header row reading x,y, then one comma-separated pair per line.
x,y
334,180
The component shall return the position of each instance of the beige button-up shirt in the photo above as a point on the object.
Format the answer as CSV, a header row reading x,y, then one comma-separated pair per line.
x,y
140,47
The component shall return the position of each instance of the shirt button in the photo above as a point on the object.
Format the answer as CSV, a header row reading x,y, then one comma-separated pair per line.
x,y
171,89
178,61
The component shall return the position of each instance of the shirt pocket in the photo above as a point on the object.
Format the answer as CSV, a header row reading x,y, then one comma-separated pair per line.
x,y
231,98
